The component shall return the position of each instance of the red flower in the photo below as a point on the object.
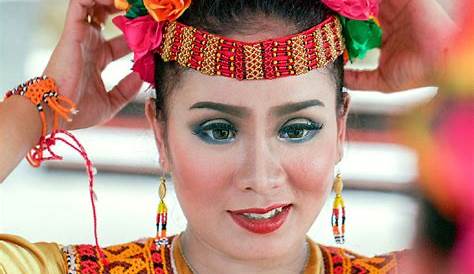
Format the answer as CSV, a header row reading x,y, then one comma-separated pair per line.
x,y
354,9
143,35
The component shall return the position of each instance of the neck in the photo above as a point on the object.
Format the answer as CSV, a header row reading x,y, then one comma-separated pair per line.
x,y
202,258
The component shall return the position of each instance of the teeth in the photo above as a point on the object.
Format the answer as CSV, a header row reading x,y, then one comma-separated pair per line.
x,y
268,215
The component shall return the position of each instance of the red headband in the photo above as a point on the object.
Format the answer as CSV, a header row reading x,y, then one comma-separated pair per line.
x,y
216,55
150,27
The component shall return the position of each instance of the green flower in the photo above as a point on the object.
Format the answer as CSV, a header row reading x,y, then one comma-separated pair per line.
x,y
137,9
361,36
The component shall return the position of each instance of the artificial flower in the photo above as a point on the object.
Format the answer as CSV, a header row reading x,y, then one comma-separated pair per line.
x,y
361,36
163,10
354,9
121,4
143,35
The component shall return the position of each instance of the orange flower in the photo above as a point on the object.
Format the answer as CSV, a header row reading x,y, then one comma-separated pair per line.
x,y
122,4
162,10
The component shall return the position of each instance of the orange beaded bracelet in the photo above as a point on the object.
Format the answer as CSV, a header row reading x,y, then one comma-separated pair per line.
x,y
40,91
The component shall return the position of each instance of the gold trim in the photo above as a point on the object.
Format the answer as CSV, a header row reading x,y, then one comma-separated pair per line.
x,y
320,48
208,65
169,34
253,62
300,55
331,40
186,50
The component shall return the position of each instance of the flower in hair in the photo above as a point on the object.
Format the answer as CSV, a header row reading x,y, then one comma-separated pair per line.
x,y
122,4
169,10
361,28
354,9
142,27
143,36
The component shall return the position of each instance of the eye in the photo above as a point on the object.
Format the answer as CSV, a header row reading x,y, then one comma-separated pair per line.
x,y
218,131
299,130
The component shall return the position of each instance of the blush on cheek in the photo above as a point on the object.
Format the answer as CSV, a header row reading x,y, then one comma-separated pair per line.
x,y
311,170
199,173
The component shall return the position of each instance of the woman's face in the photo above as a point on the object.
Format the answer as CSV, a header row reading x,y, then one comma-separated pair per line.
x,y
236,146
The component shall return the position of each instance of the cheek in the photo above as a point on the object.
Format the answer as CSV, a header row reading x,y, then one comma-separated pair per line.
x,y
310,168
199,181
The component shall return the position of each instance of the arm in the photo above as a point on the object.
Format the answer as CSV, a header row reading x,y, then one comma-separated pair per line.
x,y
20,130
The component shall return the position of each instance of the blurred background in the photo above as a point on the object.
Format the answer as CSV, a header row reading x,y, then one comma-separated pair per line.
x,y
52,203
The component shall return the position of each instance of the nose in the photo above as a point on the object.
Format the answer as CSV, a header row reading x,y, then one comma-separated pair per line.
x,y
261,170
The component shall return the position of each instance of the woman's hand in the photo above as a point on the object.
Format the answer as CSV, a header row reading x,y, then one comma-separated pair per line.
x,y
79,59
414,43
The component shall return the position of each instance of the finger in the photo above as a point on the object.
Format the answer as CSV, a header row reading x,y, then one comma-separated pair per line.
x,y
124,91
118,48
363,80
77,12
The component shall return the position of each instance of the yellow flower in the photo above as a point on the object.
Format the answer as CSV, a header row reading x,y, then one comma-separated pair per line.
x,y
122,4
170,10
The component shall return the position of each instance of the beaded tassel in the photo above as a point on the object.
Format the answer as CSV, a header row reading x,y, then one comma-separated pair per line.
x,y
338,218
161,221
162,215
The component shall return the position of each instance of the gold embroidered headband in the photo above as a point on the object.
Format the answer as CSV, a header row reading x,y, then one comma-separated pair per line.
x,y
151,28
216,55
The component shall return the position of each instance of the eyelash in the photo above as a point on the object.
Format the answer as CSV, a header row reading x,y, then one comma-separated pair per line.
x,y
206,131
308,128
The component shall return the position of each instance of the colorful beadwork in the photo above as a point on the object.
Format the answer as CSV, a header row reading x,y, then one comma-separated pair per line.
x,y
338,218
43,91
215,55
145,256
342,261
133,258
161,241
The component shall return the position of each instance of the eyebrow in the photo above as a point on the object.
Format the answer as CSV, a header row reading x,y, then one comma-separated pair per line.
x,y
294,107
229,109
243,111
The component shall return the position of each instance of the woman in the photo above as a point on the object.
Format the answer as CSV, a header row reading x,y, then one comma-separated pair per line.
x,y
252,161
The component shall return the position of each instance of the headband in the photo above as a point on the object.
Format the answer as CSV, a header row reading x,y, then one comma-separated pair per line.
x,y
150,27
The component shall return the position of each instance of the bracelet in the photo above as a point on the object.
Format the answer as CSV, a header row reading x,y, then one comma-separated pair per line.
x,y
43,91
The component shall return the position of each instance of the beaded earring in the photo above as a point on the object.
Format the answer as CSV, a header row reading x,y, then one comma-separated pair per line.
x,y
338,218
161,241
162,212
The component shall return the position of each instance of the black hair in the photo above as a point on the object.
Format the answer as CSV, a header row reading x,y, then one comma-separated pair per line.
x,y
224,17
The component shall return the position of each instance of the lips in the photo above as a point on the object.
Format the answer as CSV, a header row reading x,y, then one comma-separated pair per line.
x,y
261,220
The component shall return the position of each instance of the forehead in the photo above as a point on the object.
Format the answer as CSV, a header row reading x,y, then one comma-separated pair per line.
x,y
195,86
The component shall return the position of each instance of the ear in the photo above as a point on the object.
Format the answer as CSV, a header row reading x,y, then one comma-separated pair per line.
x,y
342,125
159,129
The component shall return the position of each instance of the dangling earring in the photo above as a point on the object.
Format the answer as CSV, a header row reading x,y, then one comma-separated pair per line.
x,y
162,214
338,218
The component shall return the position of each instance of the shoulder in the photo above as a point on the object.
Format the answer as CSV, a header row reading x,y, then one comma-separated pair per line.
x,y
18,255
340,260
141,256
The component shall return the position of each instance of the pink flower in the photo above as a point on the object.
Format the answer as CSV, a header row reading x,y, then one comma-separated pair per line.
x,y
145,67
354,9
143,35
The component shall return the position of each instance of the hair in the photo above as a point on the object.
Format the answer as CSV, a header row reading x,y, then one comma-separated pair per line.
x,y
224,17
